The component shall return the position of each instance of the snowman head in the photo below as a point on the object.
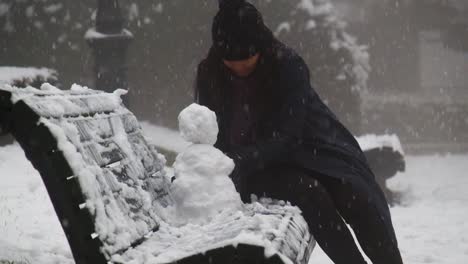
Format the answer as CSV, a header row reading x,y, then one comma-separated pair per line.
x,y
198,125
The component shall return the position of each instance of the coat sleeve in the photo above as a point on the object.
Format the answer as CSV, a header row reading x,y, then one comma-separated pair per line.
x,y
290,116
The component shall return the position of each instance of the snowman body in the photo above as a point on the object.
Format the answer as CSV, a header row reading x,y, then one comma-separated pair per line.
x,y
202,188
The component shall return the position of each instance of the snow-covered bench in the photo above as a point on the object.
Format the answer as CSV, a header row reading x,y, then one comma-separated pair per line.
x,y
23,77
112,196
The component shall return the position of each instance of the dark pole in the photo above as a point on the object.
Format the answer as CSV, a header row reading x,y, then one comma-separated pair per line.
x,y
109,41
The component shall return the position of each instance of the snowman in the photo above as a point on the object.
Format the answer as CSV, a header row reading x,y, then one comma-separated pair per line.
x,y
202,188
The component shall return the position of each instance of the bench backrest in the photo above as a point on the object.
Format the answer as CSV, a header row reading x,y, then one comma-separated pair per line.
x,y
90,152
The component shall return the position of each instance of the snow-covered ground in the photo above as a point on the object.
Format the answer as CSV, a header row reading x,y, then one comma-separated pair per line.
x,y
431,225
29,229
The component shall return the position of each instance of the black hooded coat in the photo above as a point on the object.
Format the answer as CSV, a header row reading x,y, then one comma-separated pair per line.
x,y
294,128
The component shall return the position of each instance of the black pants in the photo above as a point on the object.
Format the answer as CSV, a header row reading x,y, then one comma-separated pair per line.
x,y
328,203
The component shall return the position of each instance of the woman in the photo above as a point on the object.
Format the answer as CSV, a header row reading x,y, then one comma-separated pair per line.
x,y
286,143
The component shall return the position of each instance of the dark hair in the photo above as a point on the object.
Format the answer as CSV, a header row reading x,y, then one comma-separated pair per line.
x,y
238,31
229,3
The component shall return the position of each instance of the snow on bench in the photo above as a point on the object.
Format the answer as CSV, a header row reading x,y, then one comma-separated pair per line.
x,y
113,197
23,77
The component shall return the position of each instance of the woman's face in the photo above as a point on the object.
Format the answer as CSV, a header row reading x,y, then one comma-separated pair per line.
x,y
243,68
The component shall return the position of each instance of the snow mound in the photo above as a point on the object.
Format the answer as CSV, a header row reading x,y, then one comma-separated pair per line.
x,y
19,75
370,141
197,124
202,188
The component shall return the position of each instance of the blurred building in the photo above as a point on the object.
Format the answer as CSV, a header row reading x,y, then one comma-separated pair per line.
x,y
418,86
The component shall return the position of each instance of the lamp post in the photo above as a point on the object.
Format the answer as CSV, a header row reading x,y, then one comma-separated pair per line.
x,y
109,41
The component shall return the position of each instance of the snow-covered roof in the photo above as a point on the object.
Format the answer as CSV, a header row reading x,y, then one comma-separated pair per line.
x,y
25,75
